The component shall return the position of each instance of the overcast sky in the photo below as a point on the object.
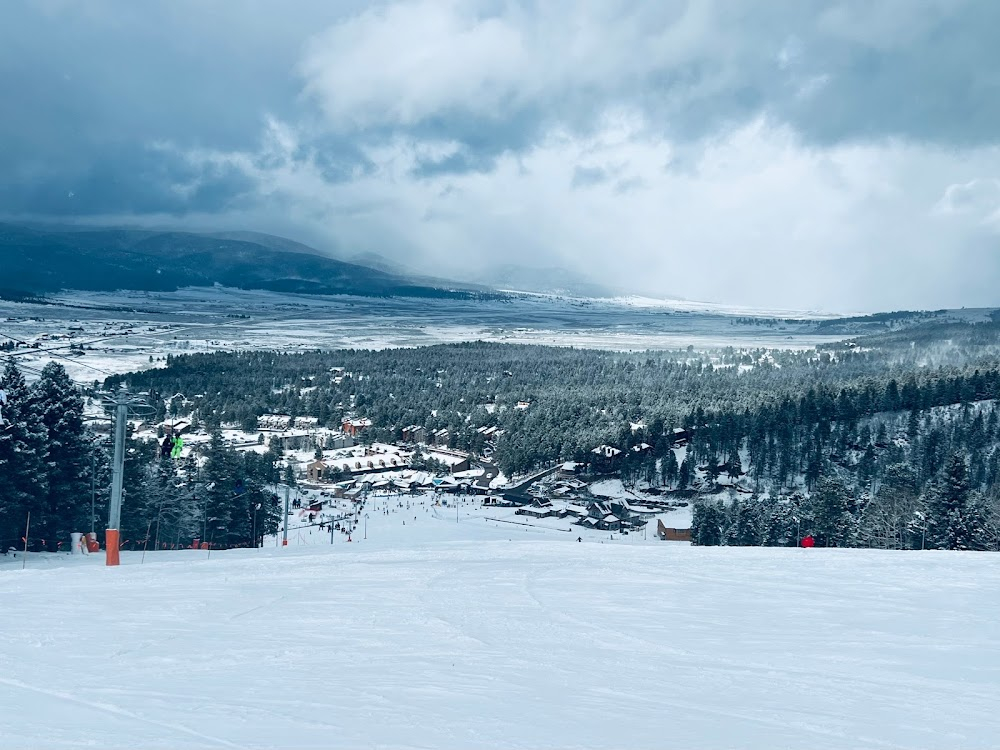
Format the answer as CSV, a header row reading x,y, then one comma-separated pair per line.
x,y
811,154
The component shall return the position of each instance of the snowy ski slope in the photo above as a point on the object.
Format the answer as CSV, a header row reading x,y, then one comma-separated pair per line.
x,y
461,635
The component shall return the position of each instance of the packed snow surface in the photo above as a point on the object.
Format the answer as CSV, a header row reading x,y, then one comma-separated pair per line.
x,y
473,636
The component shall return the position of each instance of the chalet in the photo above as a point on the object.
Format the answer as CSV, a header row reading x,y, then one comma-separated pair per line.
x,y
605,459
175,427
414,434
488,433
600,517
679,437
317,471
336,442
668,534
323,469
537,509
599,509
292,440
610,522
534,511
355,427
569,469
626,511
273,422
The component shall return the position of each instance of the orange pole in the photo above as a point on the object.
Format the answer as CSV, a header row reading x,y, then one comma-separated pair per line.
x,y
111,546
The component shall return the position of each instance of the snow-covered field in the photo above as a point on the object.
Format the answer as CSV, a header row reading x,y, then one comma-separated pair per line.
x,y
122,330
466,634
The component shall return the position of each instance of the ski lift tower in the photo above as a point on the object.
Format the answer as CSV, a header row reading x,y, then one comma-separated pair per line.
x,y
121,403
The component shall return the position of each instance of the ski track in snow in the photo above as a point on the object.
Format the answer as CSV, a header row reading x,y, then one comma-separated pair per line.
x,y
114,710
443,634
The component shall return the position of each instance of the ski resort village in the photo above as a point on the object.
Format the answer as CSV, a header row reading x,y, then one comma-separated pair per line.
x,y
331,477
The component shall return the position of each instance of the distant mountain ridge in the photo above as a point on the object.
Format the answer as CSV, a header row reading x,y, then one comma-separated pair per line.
x,y
43,260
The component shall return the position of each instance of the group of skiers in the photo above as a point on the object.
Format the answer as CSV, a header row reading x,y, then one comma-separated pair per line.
x,y
171,447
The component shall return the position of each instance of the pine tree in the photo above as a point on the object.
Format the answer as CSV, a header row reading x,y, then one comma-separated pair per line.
x,y
712,469
224,483
743,524
238,508
867,466
778,524
684,475
668,468
734,466
707,524
814,467
948,523
23,453
830,507
60,405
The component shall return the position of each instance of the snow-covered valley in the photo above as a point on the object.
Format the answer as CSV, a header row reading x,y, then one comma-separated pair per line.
x,y
121,332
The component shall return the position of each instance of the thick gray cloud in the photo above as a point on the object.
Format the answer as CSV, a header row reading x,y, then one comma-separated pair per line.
x,y
824,153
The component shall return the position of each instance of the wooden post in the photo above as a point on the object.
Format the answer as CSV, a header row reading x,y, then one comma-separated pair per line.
x,y
27,528
145,542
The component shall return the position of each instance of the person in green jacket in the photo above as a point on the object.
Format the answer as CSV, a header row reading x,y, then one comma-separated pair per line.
x,y
178,447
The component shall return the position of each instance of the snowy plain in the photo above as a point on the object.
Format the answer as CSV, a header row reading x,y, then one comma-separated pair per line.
x,y
122,330
472,634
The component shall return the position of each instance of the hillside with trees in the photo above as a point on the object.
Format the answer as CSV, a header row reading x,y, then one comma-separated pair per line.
x,y
46,260
870,421
891,440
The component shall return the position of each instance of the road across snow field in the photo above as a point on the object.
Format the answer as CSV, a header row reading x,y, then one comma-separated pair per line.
x,y
486,643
